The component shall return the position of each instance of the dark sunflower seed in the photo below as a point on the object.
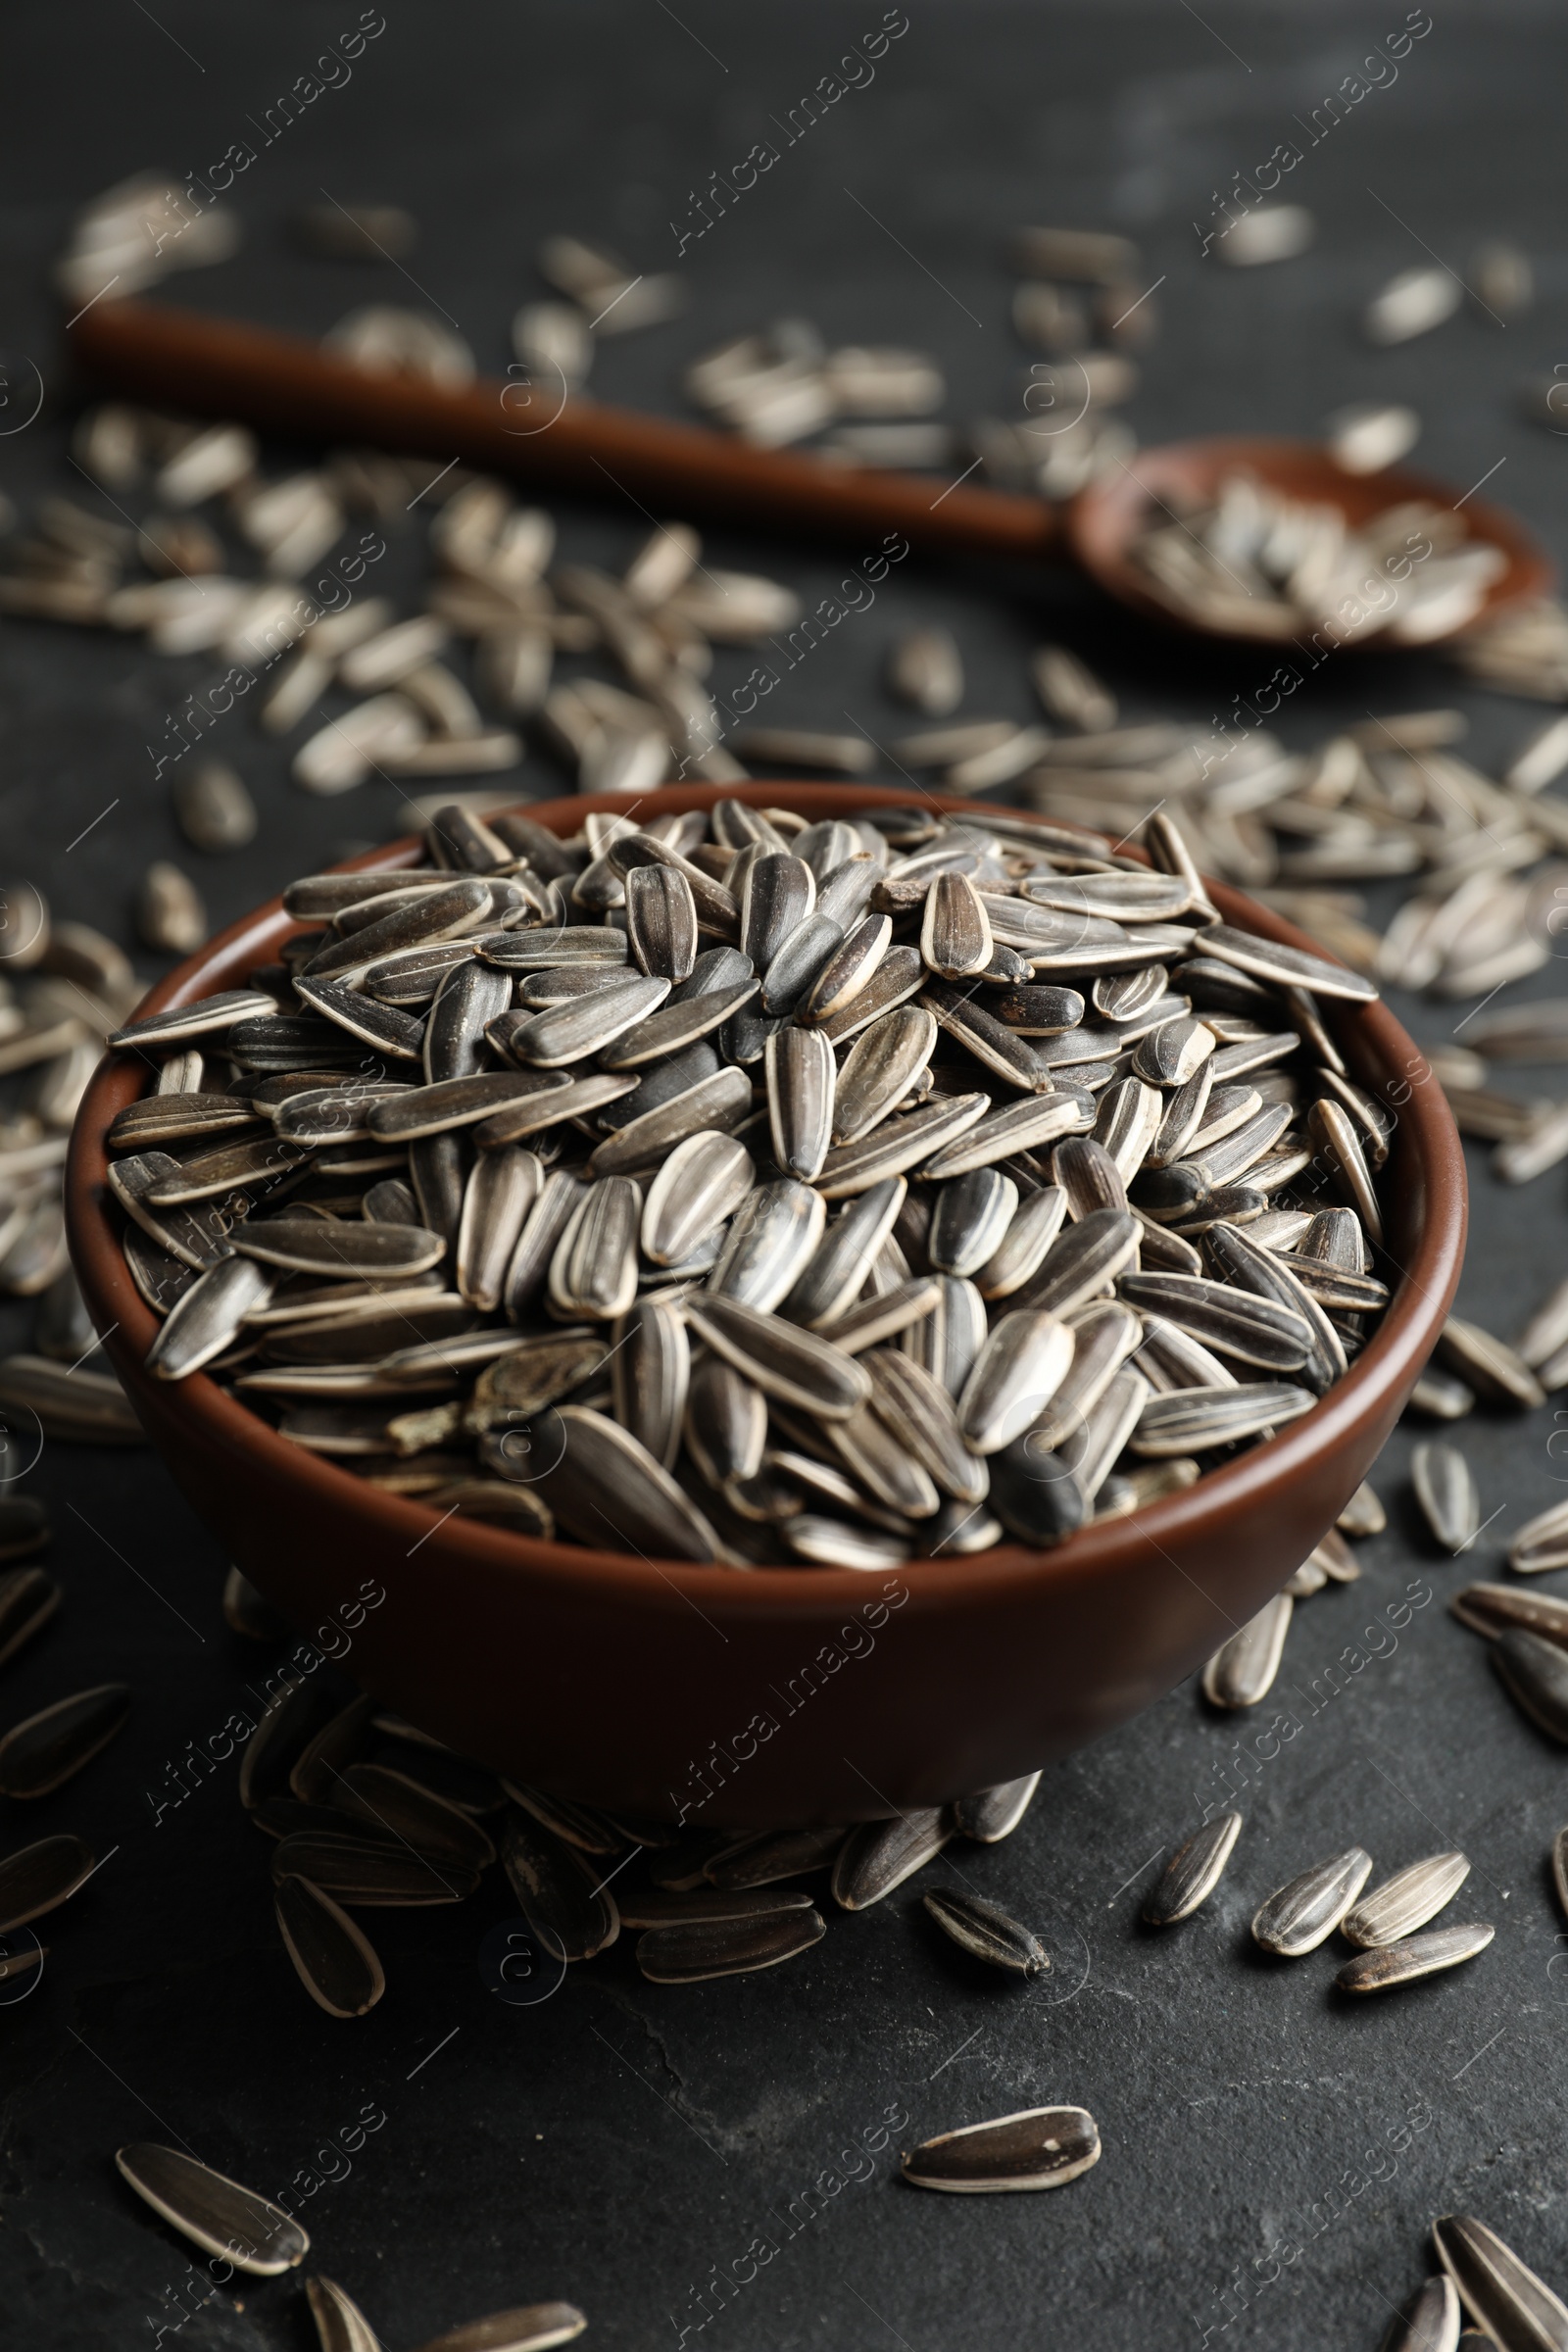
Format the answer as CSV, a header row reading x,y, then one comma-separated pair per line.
x,y
1242,1671
559,1889
323,1245
1040,2147
371,1871
39,1877
1402,1963
608,1492
1407,1901
984,1931
44,1751
1446,1488
1512,2306
215,2213
689,1954
1304,1913
780,1358
880,1855
1194,1870
335,1961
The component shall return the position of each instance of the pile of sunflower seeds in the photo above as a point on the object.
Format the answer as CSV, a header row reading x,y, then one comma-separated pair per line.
x,y
1257,563
1300,1916
368,1811
511,1191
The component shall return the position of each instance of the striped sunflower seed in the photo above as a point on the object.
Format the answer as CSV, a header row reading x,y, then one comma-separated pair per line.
x,y
1489,1366
335,1961
1246,1328
801,1076
772,1238
607,1489
29,1599
532,2328
1083,1260
1191,1420
781,1359
955,927
1304,1913
660,1907
879,1855
1535,1674
1242,1671
1542,1543
46,1750
1040,2147
987,1933
1021,1252
1501,2294
1446,1488
1427,2323
1494,1609
1407,1901
692,1952
992,1814
340,2325
208,1318
1023,1361
650,1368
1194,1870
968,1219
920,1415
215,2213
1390,1964
40,1877
560,1892
897,1144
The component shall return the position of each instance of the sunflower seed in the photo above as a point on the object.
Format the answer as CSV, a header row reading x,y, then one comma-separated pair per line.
x,y
1241,1264
44,1751
781,1359
208,1017
700,1185
650,1367
591,1833
771,1239
1035,1225
800,1091
1332,1132
401,1809
1191,1420
919,1413
1020,1126
948,1339
215,2213
1194,1870
29,1599
594,1269
1083,1260
1494,1609
763,1860
897,1143
1442,1397
1250,1329
984,1931
954,929
1542,1543
1430,2320
706,1906
926,668
722,1101
674,1026
1304,1913
1388,1965
1407,1901
206,1319
39,1877
1489,1366
1535,1673
559,1890
369,1870
841,1262
1242,1671
970,1215
335,1962
1040,2147
318,1246
340,2325
1039,1011
532,2328
1130,1121
606,1487
1446,1490
1104,1335
1287,967
1088,1176
1507,2301
992,1814
1023,1361
688,1954
879,1855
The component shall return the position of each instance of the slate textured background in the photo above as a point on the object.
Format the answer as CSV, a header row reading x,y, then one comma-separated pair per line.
x,y
621,2144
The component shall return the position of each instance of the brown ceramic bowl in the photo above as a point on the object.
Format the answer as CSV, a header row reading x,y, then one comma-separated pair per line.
x,y
793,1694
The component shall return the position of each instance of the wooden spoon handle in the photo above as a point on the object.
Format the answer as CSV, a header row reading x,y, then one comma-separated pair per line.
x,y
281,383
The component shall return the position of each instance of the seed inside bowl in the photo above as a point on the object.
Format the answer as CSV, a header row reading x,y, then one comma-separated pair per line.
x,y
725,1193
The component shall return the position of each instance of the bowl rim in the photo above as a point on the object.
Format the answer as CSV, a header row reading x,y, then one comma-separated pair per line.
x,y
1375,1382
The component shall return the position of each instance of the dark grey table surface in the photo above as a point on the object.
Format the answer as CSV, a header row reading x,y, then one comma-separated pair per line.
x,y
719,2163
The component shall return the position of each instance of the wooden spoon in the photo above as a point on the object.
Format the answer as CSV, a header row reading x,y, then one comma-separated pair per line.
x,y
284,384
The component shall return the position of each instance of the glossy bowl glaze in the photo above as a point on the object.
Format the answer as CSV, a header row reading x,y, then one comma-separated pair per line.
x,y
786,1694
